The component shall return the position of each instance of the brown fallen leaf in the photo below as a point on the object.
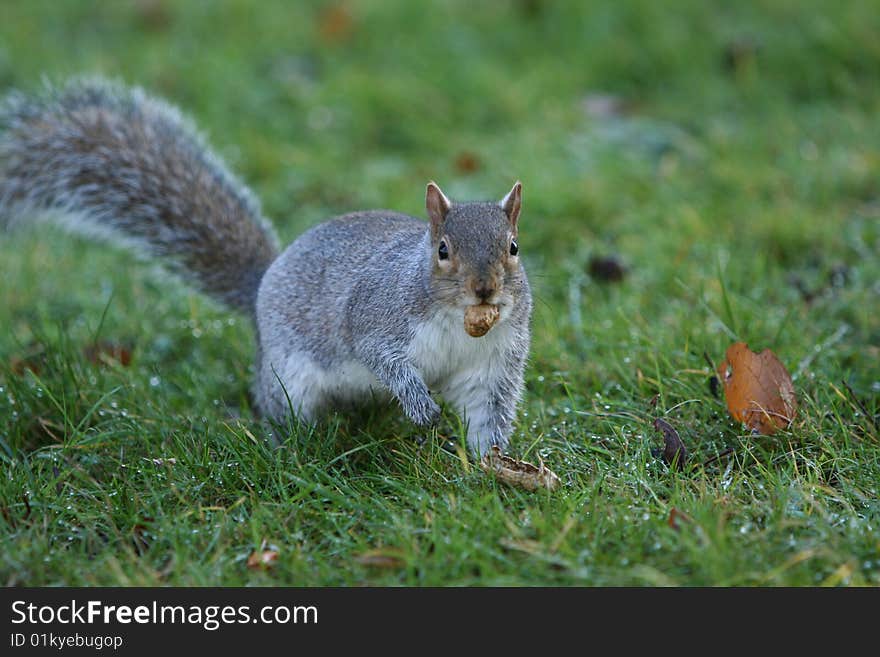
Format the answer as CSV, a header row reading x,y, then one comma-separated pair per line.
x,y
335,23
103,353
467,162
264,559
677,518
153,14
381,558
758,389
674,452
518,473
34,359
20,365
139,538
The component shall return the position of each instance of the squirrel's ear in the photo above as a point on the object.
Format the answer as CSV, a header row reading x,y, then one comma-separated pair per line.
x,y
437,205
512,203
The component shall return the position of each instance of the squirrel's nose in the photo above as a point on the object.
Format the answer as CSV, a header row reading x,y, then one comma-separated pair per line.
x,y
484,291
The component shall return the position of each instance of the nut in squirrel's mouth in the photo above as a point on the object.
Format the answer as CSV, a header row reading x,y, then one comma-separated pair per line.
x,y
478,319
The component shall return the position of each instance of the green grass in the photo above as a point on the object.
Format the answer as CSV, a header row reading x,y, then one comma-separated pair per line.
x,y
734,184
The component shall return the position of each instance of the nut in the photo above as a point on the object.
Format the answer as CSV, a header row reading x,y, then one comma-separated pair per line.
x,y
519,473
479,319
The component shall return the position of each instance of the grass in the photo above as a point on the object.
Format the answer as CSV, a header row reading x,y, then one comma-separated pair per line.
x,y
739,187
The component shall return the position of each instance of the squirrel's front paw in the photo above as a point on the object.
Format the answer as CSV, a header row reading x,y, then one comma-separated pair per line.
x,y
480,442
424,412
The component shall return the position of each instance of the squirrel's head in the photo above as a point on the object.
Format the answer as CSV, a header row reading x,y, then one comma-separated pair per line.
x,y
474,249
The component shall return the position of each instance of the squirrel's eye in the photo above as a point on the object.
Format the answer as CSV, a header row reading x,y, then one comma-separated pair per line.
x,y
514,249
443,251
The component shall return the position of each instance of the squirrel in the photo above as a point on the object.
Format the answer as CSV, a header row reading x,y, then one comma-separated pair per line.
x,y
367,305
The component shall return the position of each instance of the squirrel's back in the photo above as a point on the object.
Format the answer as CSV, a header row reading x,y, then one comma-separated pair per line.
x,y
307,289
112,161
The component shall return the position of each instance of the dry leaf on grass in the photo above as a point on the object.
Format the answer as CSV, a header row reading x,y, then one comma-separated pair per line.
x,y
33,359
139,536
518,473
674,452
677,518
381,558
263,558
467,162
103,353
335,23
758,389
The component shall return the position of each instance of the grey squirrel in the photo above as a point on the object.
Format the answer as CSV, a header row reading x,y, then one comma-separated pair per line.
x,y
366,305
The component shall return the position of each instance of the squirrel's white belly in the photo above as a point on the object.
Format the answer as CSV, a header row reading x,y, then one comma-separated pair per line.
x,y
312,388
450,360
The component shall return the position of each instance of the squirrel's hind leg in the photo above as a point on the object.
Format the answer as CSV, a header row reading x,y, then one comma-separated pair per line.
x,y
296,388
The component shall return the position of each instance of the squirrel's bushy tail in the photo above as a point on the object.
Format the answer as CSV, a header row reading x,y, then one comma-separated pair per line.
x,y
112,161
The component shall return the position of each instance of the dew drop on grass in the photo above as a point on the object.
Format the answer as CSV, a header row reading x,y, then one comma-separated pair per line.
x,y
155,381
